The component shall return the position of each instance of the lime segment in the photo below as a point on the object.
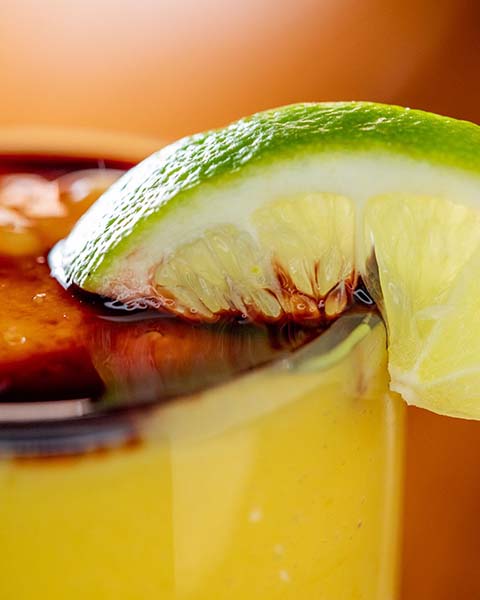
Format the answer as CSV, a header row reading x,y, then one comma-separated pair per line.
x,y
276,216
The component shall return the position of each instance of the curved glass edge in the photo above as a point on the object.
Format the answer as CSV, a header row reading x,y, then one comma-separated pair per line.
x,y
75,426
349,353
332,346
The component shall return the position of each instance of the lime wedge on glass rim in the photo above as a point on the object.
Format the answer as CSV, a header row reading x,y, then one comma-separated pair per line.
x,y
277,215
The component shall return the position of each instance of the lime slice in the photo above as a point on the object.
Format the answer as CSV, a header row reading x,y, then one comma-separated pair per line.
x,y
427,252
275,217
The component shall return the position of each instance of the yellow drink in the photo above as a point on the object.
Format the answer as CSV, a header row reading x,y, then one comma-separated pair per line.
x,y
283,483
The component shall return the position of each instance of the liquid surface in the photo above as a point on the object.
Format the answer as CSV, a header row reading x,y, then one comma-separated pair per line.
x,y
57,346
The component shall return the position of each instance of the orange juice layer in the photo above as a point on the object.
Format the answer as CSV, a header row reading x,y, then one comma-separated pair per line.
x,y
278,484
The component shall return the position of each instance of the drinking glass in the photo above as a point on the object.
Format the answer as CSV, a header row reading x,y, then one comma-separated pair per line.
x,y
281,482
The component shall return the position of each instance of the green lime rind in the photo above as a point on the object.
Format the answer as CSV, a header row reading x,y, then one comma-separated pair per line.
x,y
116,222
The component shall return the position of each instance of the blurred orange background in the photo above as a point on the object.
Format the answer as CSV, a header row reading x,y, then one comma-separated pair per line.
x,y
168,68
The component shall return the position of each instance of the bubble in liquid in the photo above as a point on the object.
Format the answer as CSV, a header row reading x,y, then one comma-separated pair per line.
x,y
32,196
13,337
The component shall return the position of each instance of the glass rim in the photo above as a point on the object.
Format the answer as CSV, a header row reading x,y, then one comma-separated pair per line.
x,y
80,427
317,355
